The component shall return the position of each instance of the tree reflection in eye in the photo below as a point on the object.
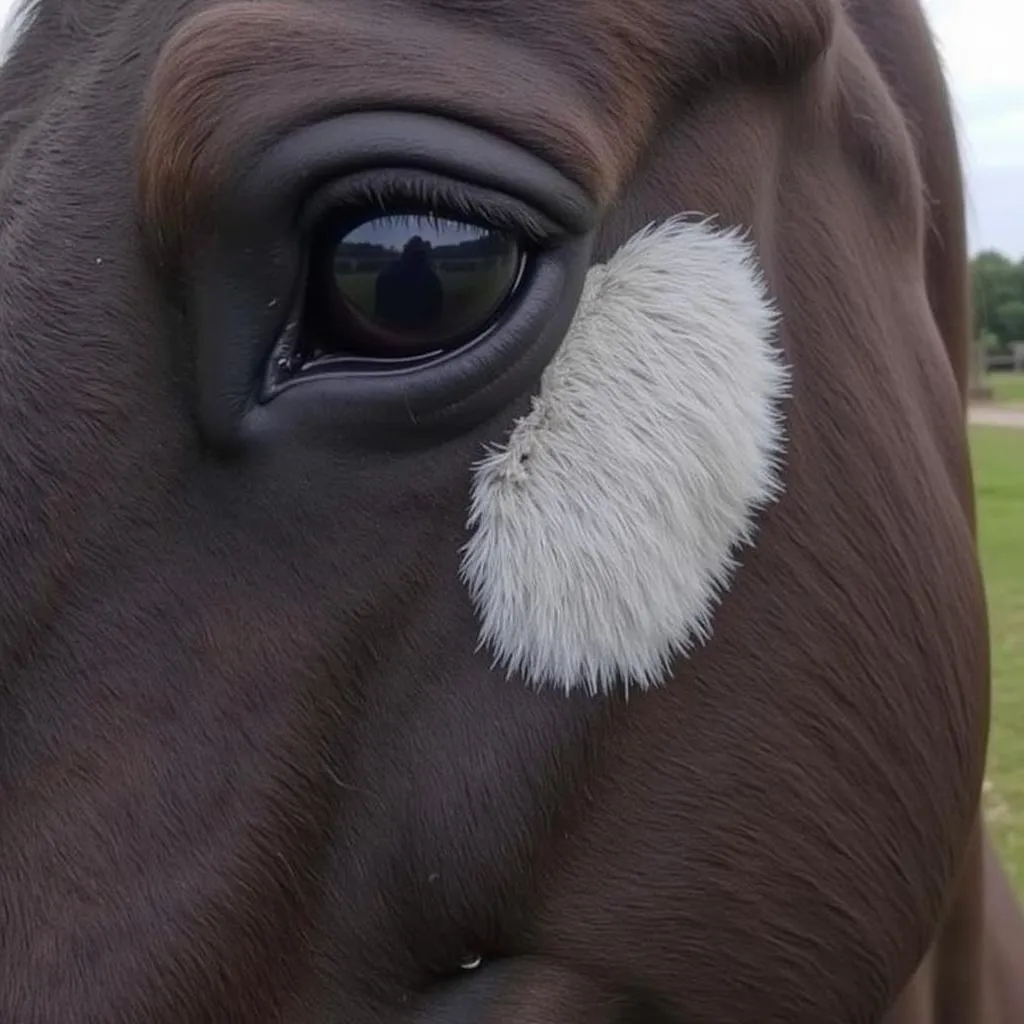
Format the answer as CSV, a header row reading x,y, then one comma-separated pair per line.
x,y
404,285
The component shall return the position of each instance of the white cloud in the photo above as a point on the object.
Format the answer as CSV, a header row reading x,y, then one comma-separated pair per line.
x,y
981,45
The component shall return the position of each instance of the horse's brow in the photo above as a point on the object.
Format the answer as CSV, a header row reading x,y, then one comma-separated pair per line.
x,y
237,73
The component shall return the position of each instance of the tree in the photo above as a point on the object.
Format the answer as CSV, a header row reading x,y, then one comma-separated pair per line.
x,y
998,293
1011,316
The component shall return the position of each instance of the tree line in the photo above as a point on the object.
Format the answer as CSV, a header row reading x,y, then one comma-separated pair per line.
x,y
998,284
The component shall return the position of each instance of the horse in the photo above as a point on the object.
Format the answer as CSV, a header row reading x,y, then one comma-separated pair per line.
x,y
602,641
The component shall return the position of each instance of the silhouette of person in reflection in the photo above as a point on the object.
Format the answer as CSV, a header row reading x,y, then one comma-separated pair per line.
x,y
409,295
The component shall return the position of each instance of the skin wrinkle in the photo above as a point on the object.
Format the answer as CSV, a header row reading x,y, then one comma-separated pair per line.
x,y
253,768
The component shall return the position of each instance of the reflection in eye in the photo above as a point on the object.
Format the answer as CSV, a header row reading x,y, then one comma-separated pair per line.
x,y
405,285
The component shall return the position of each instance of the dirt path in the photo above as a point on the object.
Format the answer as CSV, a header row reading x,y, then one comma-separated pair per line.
x,y
996,416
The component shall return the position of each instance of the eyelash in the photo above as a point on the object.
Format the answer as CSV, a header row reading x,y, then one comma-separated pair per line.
x,y
432,198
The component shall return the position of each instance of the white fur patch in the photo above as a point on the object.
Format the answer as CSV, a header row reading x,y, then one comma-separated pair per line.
x,y
606,529
14,20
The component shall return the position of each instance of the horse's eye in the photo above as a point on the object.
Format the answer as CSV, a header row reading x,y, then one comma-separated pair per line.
x,y
400,286
381,275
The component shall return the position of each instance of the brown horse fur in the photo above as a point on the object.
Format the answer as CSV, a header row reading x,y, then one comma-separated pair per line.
x,y
253,767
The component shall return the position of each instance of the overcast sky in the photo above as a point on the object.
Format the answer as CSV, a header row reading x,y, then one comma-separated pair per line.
x,y
982,42
983,45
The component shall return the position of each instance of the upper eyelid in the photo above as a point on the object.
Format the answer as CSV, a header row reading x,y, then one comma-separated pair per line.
x,y
431,195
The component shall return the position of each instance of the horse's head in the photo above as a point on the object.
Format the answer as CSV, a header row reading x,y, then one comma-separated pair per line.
x,y
326,577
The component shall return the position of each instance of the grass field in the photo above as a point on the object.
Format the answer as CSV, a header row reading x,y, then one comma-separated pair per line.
x,y
1008,388
998,455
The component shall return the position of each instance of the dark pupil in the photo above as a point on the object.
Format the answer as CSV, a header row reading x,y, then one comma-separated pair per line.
x,y
412,284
